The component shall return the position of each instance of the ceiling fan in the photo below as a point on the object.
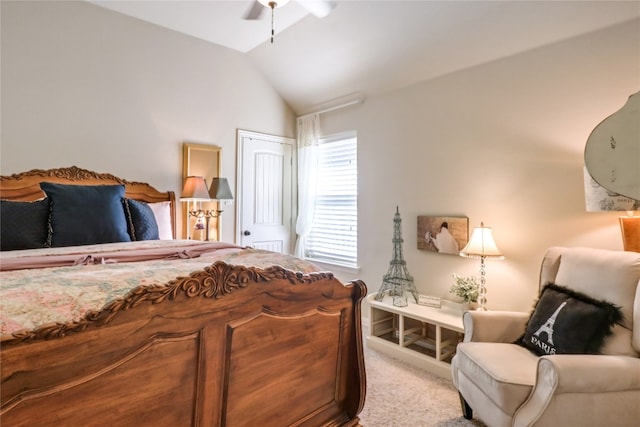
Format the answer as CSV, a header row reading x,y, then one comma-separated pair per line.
x,y
318,8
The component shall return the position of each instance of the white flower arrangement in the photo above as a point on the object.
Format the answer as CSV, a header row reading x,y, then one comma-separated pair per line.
x,y
465,287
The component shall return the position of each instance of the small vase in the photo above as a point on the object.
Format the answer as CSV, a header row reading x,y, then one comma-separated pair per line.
x,y
469,306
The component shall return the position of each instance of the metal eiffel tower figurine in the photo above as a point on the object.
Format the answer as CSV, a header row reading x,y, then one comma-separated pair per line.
x,y
397,281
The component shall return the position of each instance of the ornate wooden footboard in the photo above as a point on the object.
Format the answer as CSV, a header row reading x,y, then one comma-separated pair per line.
x,y
227,346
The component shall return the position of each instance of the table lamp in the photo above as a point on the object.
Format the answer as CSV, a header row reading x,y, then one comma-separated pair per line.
x,y
195,190
481,245
220,189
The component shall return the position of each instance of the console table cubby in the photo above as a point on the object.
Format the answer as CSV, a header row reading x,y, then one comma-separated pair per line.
x,y
423,336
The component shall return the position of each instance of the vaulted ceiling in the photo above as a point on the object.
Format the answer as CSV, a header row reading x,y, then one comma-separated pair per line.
x,y
364,47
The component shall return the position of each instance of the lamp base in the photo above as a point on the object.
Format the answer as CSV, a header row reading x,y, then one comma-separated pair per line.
x,y
482,289
630,227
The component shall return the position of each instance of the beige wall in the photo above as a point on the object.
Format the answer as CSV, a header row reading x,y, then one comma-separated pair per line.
x,y
500,143
85,86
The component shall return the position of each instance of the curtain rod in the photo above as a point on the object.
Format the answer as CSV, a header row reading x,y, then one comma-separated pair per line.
x,y
359,100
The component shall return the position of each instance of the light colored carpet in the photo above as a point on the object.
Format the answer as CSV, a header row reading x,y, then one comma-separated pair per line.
x,y
400,395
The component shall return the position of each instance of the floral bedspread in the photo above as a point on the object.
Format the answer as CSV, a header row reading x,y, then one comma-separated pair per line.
x,y
30,298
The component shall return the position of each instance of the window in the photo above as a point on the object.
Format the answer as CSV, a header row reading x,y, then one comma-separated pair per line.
x,y
334,234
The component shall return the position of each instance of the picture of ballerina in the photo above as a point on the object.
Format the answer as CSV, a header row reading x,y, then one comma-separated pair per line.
x,y
440,234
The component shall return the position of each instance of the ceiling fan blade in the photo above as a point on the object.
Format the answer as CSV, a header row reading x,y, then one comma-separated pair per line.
x,y
318,8
254,11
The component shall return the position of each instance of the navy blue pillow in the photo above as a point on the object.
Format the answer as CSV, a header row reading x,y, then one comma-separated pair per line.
x,y
85,214
23,225
142,221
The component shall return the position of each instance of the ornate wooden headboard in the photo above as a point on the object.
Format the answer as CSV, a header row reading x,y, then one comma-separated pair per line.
x,y
25,186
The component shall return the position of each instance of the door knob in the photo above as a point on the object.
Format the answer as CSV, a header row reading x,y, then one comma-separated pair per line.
x,y
247,233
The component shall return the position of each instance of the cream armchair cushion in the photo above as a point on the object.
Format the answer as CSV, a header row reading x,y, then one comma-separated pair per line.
x,y
507,385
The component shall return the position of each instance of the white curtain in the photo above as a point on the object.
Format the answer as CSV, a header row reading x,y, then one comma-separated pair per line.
x,y
308,132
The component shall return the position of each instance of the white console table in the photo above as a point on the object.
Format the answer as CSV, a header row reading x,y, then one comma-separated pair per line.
x,y
423,336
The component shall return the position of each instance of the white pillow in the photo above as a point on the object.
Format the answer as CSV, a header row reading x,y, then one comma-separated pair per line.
x,y
162,212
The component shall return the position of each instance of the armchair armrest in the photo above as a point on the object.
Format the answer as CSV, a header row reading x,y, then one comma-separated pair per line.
x,y
494,326
605,390
591,373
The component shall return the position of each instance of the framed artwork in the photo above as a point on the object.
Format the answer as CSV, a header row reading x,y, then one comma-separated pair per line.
x,y
443,234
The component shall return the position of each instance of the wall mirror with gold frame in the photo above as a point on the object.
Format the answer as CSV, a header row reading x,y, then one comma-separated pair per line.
x,y
200,160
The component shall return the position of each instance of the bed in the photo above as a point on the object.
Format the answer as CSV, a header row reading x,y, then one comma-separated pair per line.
x,y
162,332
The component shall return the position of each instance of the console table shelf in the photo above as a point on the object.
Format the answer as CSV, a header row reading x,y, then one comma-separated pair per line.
x,y
420,335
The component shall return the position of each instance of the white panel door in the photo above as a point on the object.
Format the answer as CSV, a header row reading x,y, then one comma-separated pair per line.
x,y
265,211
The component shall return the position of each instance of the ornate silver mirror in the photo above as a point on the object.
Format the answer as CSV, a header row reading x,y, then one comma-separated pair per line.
x,y
612,153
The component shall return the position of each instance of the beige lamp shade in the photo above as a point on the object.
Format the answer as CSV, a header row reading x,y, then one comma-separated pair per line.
x,y
195,189
481,244
220,189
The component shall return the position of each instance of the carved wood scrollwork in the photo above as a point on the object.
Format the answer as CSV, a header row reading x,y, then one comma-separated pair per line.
x,y
214,281
72,173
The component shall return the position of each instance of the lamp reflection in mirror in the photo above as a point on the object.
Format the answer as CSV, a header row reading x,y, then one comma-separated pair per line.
x,y
599,199
482,245
195,190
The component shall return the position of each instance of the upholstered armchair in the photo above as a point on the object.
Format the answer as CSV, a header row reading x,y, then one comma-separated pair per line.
x,y
504,382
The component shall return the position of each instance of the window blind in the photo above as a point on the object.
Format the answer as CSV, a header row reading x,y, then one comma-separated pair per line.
x,y
334,234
